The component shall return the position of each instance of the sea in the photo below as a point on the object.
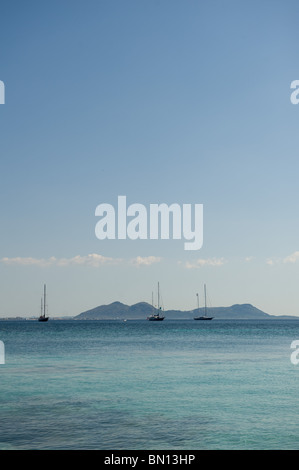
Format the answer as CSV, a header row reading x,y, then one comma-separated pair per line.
x,y
176,384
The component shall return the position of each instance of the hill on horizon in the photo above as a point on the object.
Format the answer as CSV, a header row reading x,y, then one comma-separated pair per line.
x,y
141,310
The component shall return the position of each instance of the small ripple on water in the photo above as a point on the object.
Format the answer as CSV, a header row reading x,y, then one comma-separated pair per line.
x,y
67,424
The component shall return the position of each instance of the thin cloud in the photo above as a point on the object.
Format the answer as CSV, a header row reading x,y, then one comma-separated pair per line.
x,y
293,258
270,262
93,260
145,261
199,263
18,261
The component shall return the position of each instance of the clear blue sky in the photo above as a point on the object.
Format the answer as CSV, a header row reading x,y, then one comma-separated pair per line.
x,y
161,101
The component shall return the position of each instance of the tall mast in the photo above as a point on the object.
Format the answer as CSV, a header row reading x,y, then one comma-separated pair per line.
x,y
158,297
205,302
197,301
44,300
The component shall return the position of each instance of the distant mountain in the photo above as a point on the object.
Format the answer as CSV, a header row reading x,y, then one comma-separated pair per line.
x,y
141,310
112,311
117,311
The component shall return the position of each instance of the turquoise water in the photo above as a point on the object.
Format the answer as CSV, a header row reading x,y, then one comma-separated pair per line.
x,y
146,385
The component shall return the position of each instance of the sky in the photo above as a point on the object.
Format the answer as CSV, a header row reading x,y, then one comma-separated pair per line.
x,y
170,101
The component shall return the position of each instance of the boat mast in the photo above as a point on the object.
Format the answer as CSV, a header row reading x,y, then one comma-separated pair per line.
x,y
158,297
205,302
44,300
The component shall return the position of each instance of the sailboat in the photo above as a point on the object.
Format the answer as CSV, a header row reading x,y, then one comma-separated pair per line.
x,y
156,316
42,316
204,317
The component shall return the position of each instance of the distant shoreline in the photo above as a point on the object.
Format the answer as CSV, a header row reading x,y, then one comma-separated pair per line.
x,y
35,319
141,310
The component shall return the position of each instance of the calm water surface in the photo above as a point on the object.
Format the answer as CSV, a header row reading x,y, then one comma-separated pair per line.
x,y
146,385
